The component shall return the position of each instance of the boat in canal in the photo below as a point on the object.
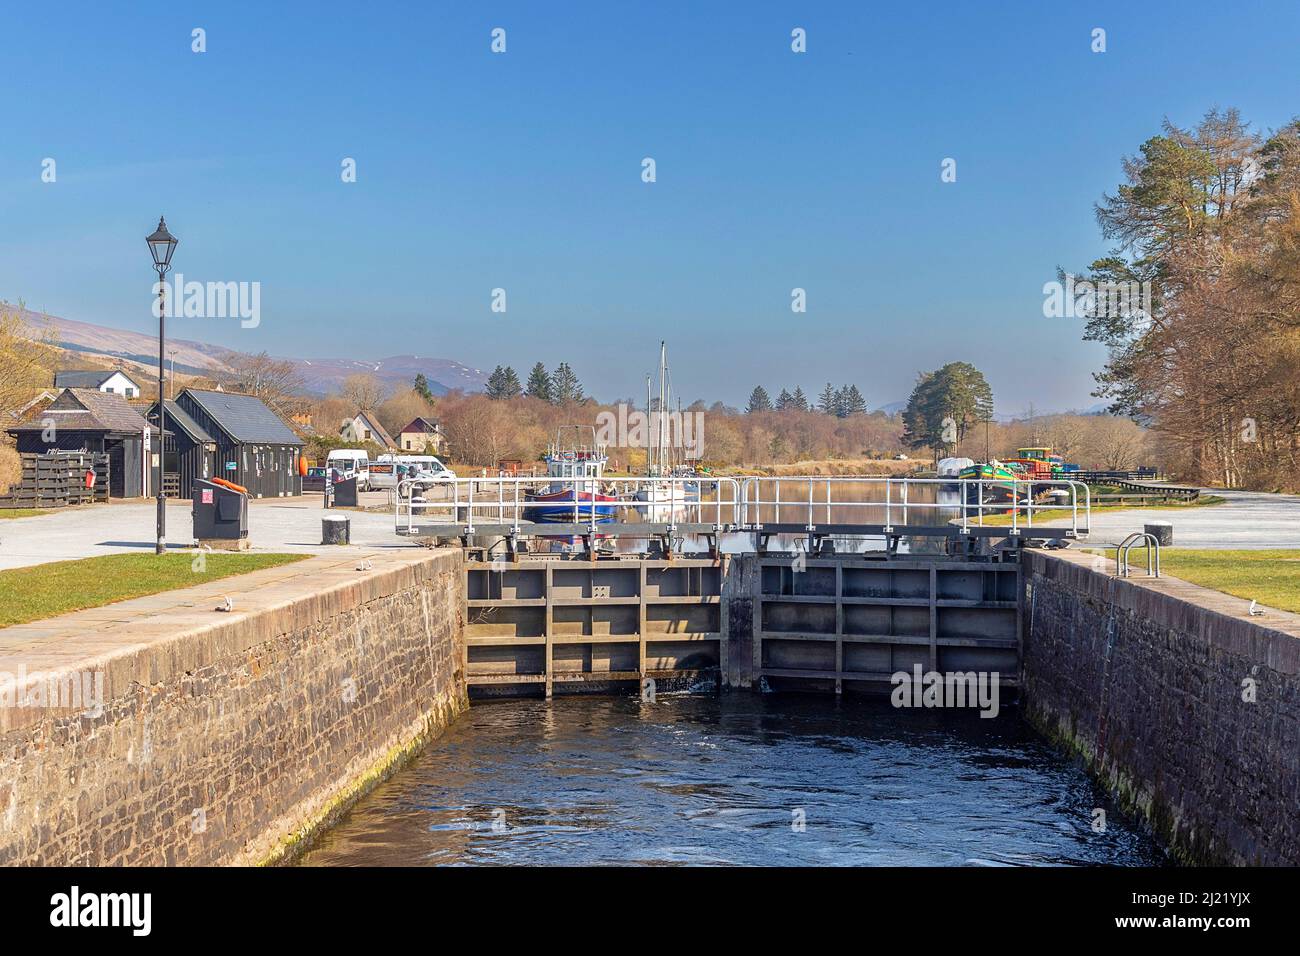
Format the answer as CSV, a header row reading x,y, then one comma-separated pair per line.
x,y
676,489
990,483
575,493
1040,463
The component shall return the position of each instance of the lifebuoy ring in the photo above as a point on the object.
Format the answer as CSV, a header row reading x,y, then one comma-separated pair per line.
x,y
229,484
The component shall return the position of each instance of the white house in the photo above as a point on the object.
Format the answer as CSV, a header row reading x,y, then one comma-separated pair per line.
x,y
421,436
105,380
365,427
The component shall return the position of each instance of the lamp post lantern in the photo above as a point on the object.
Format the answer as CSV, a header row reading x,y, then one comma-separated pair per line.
x,y
161,246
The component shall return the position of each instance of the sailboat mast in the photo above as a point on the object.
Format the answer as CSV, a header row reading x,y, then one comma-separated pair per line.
x,y
663,406
649,452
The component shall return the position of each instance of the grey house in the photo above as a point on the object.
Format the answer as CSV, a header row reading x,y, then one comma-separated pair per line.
x,y
252,446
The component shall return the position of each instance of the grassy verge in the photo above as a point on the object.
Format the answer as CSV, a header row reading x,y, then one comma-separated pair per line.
x,y
1052,514
22,512
30,594
1270,577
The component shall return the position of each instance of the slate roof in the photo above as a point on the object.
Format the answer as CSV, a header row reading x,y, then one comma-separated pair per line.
x,y
377,430
87,378
88,409
420,426
245,418
177,417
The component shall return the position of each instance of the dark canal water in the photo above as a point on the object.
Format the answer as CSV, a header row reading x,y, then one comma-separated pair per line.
x,y
698,779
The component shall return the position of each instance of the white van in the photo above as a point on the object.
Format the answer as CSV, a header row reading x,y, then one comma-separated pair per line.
x,y
349,463
389,471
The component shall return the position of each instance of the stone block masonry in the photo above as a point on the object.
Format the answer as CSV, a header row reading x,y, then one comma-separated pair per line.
x,y
1179,702
226,738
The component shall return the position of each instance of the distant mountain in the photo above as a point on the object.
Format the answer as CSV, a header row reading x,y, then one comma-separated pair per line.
x,y
199,358
893,408
324,375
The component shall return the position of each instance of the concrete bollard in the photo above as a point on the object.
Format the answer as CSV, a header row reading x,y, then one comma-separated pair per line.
x,y
1162,530
336,529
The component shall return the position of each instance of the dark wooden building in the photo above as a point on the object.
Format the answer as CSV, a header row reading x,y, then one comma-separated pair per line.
x,y
189,451
253,447
85,419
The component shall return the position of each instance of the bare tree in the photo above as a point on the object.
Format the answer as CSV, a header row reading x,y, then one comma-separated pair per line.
x,y
275,381
364,391
402,408
1114,444
26,360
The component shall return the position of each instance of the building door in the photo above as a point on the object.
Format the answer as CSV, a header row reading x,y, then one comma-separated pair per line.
x,y
116,470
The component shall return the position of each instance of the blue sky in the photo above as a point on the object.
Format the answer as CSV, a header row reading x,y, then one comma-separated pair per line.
x,y
523,171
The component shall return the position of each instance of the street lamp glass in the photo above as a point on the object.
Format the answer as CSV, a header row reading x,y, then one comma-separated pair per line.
x,y
161,244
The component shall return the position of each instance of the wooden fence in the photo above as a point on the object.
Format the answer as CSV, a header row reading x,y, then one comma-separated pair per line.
x,y
57,479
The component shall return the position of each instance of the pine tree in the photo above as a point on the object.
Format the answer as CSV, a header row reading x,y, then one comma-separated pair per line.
x,y
785,400
539,383
854,403
565,387
759,400
826,402
841,402
421,386
510,387
799,400
496,383
944,405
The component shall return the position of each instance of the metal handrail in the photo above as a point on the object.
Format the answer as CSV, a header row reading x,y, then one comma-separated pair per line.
x,y
1152,544
898,503
502,502
732,504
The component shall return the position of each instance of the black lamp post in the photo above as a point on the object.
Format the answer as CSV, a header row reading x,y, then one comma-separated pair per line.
x,y
161,246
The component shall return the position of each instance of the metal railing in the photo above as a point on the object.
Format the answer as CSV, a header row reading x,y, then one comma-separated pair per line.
x,y
890,503
511,506
813,505
1152,544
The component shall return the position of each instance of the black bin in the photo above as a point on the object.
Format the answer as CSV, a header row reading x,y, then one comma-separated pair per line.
x,y
219,513
345,493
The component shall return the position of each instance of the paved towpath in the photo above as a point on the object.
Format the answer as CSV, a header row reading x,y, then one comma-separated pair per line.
x,y
1247,519
290,525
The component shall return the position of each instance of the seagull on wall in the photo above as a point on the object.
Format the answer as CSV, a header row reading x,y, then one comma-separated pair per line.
x,y
1255,609
226,604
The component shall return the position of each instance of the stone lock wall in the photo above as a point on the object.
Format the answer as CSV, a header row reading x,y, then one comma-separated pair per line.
x,y
1145,680
232,741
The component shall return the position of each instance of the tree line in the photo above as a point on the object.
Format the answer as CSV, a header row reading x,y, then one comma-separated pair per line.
x,y
840,402
560,387
1207,220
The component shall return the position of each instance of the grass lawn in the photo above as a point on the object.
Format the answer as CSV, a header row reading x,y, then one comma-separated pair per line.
x,y
30,594
1057,513
22,512
1270,577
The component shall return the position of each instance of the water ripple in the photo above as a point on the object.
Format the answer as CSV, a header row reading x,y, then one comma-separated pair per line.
x,y
736,780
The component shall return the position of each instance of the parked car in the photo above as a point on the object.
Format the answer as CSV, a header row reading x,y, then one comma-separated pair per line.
x,y
314,480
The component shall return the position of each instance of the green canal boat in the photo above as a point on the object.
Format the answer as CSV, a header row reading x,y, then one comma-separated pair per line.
x,y
999,483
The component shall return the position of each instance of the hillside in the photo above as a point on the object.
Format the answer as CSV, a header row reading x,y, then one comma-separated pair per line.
x,y
321,375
